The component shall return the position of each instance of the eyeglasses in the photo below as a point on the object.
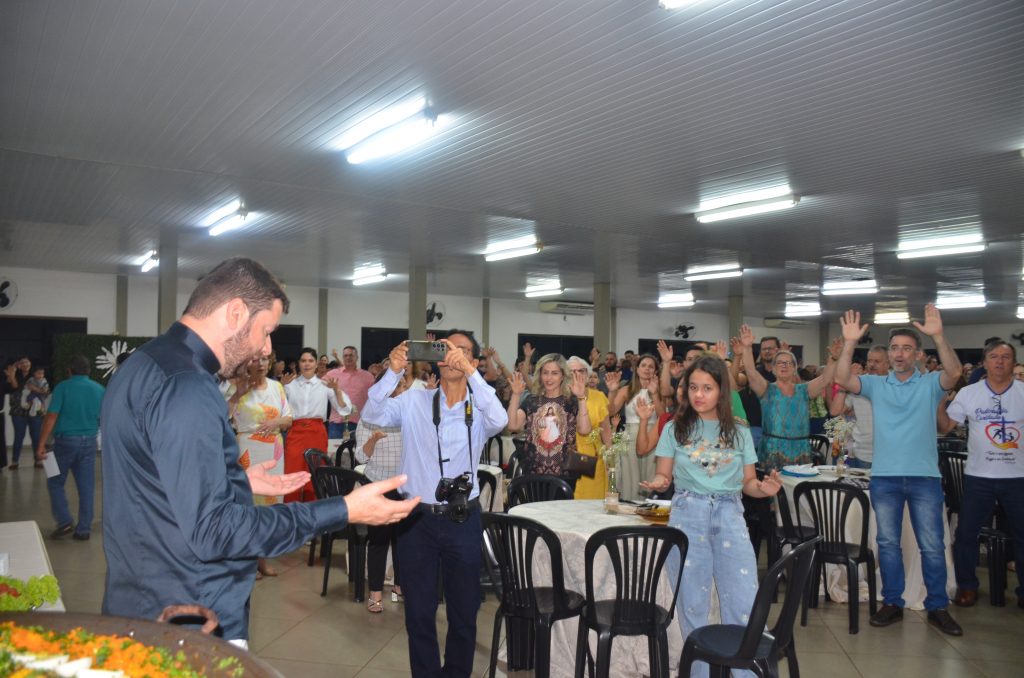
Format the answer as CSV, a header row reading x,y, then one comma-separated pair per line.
x,y
783,363
902,349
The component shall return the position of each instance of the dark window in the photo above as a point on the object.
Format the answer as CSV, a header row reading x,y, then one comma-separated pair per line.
x,y
287,341
34,337
556,343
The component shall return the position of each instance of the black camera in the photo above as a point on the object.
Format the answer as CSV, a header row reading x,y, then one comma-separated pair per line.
x,y
455,491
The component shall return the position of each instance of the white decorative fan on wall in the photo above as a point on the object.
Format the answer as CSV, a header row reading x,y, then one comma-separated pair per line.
x,y
8,293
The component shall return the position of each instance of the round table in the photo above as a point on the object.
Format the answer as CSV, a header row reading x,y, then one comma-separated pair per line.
x,y
574,521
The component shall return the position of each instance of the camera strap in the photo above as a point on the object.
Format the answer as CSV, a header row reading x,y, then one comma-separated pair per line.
x,y
469,425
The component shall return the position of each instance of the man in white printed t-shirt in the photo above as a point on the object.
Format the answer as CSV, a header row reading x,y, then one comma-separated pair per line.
x,y
994,411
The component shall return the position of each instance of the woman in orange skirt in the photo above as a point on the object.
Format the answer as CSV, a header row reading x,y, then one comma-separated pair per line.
x,y
308,396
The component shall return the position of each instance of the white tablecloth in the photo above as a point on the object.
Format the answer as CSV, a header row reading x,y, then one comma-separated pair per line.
x,y
26,553
499,479
914,591
574,521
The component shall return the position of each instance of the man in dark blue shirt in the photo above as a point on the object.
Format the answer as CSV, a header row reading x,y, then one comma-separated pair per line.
x,y
179,524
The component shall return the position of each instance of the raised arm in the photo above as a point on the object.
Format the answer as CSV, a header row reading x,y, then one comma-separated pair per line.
x,y
617,392
852,333
950,362
516,415
819,383
665,378
646,440
758,384
380,408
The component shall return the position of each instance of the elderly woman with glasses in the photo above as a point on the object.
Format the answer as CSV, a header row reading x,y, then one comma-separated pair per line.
x,y
588,487
785,404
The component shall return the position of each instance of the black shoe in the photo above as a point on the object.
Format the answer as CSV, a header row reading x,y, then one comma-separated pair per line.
x,y
80,537
887,614
943,621
61,532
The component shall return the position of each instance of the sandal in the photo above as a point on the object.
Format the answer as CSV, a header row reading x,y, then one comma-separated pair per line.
x,y
397,597
375,606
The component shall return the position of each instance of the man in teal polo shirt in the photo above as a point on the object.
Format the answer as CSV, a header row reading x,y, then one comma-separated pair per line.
x,y
73,417
905,468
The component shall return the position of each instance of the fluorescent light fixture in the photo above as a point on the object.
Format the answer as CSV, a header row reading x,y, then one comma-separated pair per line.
x,y
951,301
748,196
222,213
934,247
392,115
802,309
397,138
232,223
145,257
544,286
676,300
892,318
713,276
511,254
545,293
152,262
746,209
369,274
514,243
838,287
1020,309
675,4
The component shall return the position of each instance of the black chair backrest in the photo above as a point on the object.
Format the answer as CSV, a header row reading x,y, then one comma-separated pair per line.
x,y
485,480
638,555
830,506
514,466
531,488
951,445
821,447
331,481
795,566
348,446
786,515
314,460
510,542
951,466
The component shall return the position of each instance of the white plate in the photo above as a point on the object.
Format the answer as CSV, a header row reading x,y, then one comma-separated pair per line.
x,y
659,502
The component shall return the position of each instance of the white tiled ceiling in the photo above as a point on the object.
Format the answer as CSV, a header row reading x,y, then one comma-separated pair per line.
x,y
605,121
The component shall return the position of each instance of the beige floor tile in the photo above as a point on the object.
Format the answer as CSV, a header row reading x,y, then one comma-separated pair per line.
x,y
997,669
331,640
915,667
994,645
902,638
301,669
833,665
86,605
265,630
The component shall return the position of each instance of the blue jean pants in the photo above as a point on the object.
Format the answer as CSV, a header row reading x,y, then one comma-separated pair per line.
x,y
923,495
719,551
74,454
980,495
20,424
429,543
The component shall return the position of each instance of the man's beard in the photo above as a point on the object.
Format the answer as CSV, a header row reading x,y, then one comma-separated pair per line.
x,y
237,353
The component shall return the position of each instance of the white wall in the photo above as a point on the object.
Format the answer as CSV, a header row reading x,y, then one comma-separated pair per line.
x,y
62,294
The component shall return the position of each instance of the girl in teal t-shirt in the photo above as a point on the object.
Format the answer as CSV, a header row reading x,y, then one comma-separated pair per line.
x,y
711,459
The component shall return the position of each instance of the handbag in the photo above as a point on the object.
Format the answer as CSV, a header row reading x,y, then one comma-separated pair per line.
x,y
582,464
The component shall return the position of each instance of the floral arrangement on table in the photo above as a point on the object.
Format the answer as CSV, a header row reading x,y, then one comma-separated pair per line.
x,y
839,430
610,454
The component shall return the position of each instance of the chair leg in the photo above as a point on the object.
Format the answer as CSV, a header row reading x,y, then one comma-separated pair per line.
x,y
872,585
663,668
495,639
359,565
581,648
686,660
326,546
542,648
794,666
312,552
853,596
604,654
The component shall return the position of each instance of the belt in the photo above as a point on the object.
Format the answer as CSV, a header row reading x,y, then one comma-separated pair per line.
x,y
445,509
772,435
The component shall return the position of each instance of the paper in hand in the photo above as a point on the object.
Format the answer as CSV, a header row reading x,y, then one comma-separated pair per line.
x,y
50,465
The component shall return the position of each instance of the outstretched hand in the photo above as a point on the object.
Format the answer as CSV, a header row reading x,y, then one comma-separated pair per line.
x,y
612,380
932,321
852,329
746,336
579,384
264,484
665,351
367,504
771,484
720,349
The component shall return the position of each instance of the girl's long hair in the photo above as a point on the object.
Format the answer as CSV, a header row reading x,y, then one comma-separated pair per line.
x,y
686,417
634,384
537,387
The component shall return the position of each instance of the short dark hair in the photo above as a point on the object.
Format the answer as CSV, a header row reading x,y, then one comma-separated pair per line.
x,y
468,335
775,339
994,343
350,347
79,364
629,353
237,278
879,347
905,332
312,351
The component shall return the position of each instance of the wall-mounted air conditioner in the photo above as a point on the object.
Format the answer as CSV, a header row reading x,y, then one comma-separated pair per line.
x,y
566,307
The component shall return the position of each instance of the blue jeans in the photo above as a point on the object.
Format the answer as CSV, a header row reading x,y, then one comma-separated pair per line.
x,y
339,429
755,433
33,424
924,497
854,462
427,543
980,495
76,454
719,550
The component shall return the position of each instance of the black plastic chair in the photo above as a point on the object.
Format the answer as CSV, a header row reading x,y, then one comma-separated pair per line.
x,y
951,445
514,467
638,557
997,542
332,481
349,447
485,453
786,534
314,460
510,541
486,481
729,646
821,448
531,488
830,506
